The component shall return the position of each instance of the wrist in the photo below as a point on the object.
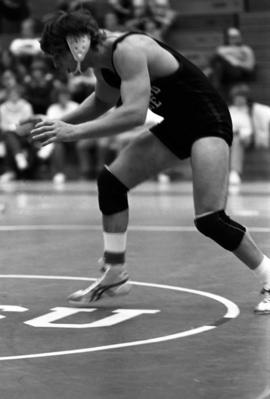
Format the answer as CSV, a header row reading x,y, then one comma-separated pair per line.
x,y
72,133
79,131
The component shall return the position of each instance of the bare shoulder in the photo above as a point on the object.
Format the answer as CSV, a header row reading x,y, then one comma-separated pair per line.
x,y
142,51
136,44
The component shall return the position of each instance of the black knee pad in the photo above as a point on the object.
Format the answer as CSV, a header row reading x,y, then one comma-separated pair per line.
x,y
112,194
222,229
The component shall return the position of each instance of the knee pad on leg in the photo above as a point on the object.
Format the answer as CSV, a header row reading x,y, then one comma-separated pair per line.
x,y
222,229
112,194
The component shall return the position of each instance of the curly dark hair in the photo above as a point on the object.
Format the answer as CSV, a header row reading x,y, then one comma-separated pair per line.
x,y
61,24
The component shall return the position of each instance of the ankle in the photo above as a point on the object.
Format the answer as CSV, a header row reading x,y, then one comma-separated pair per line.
x,y
114,258
262,271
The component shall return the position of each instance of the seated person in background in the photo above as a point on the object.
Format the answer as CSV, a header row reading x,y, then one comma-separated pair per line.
x,y
90,6
153,16
38,86
19,149
148,25
7,60
240,111
233,62
251,122
26,46
7,81
139,12
57,152
94,153
122,9
162,12
111,22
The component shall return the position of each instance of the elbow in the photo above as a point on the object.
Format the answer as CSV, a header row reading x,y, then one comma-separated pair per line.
x,y
136,117
139,120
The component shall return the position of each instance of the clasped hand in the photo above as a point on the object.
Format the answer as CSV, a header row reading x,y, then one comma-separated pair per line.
x,y
51,131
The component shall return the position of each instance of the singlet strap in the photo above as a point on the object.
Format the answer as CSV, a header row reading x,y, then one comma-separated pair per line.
x,y
113,78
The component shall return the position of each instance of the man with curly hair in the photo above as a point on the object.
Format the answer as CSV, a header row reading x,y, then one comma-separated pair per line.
x,y
137,72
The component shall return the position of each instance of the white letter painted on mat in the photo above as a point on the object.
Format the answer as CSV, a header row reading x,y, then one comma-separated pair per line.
x,y
119,315
11,308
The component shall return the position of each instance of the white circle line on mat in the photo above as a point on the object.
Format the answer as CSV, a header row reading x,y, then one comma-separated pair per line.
x,y
231,313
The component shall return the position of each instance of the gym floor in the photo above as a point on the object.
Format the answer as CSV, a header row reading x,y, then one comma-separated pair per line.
x,y
187,330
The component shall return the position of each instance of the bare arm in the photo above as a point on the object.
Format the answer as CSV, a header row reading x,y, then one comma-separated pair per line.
x,y
135,94
95,105
131,64
90,108
238,56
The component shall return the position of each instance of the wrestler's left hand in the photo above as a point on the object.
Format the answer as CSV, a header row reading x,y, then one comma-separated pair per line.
x,y
51,131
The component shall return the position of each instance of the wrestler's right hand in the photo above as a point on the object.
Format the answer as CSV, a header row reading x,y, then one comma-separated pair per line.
x,y
26,125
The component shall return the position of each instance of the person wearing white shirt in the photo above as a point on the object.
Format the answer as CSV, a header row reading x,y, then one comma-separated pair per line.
x,y
242,129
251,125
57,151
18,147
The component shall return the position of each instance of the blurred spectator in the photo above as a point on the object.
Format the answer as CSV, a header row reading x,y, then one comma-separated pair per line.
x,y
148,25
233,62
38,86
72,5
251,127
111,22
122,9
93,154
139,13
87,5
261,121
162,13
81,86
20,150
26,46
240,111
8,81
7,60
153,27
57,153
152,16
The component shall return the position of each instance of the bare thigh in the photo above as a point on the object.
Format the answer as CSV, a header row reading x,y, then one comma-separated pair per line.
x,y
210,159
142,159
